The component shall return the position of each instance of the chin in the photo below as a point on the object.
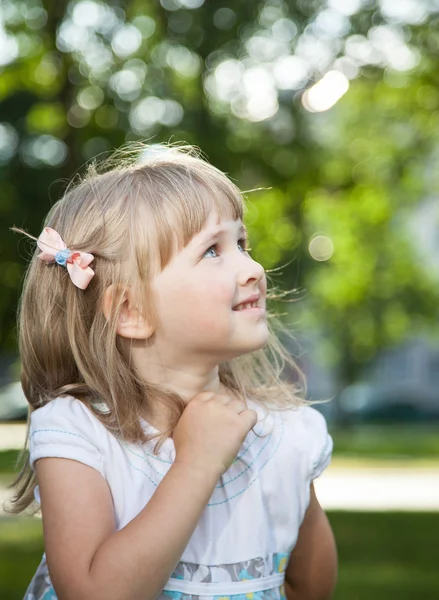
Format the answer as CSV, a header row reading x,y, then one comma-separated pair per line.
x,y
249,349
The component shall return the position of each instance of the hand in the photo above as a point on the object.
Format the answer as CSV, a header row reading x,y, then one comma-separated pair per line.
x,y
211,431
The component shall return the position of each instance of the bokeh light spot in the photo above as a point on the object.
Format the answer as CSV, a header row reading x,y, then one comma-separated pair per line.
x,y
321,247
224,18
8,142
90,97
126,40
326,92
44,150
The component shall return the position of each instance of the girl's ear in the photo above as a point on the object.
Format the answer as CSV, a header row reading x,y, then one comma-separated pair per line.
x,y
131,323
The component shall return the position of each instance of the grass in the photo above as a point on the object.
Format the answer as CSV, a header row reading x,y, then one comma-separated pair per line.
x,y
400,442
21,548
384,556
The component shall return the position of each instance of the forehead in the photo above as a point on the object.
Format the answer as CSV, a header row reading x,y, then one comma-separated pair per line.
x,y
215,219
217,224
189,220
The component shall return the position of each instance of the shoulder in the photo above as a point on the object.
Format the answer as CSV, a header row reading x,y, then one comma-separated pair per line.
x,y
306,434
309,420
63,406
68,414
315,438
66,428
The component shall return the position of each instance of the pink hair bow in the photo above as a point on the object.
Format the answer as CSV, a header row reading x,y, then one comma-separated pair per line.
x,y
55,250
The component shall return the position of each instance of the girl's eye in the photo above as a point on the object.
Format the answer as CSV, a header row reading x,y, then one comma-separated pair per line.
x,y
212,248
243,243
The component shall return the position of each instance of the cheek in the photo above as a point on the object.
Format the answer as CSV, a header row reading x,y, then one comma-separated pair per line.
x,y
208,300
182,297
204,304
217,289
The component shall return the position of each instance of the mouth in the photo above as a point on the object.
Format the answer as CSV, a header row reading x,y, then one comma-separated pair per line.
x,y
253,304
246,306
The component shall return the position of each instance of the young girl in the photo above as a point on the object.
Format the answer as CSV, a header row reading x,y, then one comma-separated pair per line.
x,y
167,456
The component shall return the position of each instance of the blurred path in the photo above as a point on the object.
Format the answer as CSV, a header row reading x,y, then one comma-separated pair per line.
x,y
12,435
342,486
379,488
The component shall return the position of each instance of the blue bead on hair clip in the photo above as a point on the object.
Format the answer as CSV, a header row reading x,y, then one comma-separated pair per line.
x,y
61,256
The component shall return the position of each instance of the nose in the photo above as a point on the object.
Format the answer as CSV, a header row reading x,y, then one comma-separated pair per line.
x,y
250,271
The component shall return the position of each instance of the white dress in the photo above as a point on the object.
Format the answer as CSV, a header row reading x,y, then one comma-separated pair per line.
x,y
242,542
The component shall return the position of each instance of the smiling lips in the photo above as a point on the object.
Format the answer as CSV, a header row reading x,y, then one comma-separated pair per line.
x,y
251,302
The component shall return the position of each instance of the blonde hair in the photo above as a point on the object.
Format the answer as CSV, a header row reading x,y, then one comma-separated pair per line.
x,y
132,213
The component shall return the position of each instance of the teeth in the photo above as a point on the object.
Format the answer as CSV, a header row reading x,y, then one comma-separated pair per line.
x,y
247,305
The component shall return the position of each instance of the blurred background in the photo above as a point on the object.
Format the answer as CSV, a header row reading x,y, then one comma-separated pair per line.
x,y
328,111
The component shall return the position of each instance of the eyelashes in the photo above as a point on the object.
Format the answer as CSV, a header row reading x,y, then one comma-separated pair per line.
x,y
243,242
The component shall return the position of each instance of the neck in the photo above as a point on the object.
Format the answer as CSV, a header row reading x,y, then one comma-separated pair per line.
x,y
186,379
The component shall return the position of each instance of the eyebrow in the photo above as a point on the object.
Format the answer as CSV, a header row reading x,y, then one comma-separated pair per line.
x,y
217,233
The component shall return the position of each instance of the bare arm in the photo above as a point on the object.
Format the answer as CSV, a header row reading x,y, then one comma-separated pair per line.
x,y
88,558
312,569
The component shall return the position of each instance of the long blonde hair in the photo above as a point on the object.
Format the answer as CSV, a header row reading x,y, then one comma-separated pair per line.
x,y
133,213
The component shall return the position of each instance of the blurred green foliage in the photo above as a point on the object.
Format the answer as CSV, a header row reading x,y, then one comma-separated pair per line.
x,y
8,462
396,442
384,556
21,549
80,77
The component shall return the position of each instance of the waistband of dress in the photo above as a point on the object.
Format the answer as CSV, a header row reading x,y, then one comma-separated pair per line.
x,y
225,588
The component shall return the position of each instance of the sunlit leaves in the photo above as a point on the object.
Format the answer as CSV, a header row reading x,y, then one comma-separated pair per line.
x,y
47,117
376,289
273,235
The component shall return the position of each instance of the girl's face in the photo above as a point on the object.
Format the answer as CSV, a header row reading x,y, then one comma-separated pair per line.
x,y
196,294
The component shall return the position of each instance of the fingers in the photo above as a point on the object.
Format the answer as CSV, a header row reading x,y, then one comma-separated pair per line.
x,y
250,417
237,406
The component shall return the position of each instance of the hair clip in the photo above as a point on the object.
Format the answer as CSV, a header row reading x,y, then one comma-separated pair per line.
x,y
54,250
